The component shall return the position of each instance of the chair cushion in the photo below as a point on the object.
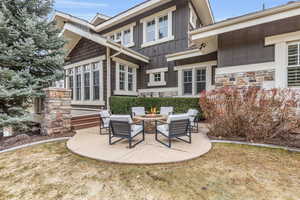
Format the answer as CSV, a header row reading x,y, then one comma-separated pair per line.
x,y
166,110
177,117
121,118
163,129
136,129
104,113
140,111
106,122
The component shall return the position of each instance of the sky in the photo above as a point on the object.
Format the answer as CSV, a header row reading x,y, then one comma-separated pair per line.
x,y
222,9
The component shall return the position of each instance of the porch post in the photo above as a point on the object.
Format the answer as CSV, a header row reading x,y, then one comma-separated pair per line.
x,y
108,78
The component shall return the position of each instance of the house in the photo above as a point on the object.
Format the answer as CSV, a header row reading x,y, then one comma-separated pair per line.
x,y
173,48
258,49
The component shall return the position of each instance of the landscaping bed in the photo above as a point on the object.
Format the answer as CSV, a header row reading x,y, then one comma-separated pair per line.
x,y
227,172
21,139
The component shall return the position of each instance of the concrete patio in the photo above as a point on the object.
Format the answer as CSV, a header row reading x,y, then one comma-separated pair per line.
x,y
88,143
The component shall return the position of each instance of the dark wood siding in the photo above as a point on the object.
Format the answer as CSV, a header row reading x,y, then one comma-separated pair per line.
x,y
246,46
158,52
85,49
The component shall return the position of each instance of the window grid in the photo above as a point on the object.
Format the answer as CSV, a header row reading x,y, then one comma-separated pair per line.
x,y
163,28
294,65
96,81
200,81
78,83
157,77
188,82
122,77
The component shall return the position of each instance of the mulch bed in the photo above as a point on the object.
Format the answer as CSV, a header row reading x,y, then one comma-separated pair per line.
x,y
294,140
6,143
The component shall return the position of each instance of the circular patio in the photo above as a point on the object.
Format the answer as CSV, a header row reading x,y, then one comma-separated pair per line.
x,y
88,143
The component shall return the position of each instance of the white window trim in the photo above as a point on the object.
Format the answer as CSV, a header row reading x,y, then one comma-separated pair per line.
x,y
89,62
291,66
131,27
156,17
152,82
134,69
205,65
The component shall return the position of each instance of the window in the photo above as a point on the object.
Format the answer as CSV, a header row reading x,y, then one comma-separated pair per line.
x,y
78,83
125,78
294,65
157,77
96,81
163,27
130,79
122,77
201,81
86,70
158,27
118,36
150,31
71,82
188,82
126,37
123,35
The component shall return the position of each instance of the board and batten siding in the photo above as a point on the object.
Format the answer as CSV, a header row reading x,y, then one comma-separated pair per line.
x,y
247,46
157,53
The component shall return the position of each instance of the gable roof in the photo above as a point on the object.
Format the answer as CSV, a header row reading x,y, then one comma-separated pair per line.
x,y
99,18
202,8
280,12
75,31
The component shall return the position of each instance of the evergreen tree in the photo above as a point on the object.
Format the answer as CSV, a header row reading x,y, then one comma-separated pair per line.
x,y
31,57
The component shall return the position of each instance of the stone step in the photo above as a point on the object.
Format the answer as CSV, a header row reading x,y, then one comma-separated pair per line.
x,y
86,120
85,125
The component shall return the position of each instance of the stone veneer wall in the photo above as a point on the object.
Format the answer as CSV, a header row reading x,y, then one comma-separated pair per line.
x,y
57,112
245,79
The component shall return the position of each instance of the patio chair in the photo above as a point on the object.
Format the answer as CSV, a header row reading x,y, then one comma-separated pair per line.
x,y
166,111
104,120
138,111
176,127
122,127
193,113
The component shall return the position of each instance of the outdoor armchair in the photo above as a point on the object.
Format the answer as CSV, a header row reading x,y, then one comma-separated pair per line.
x,y
138,111
176,127
166,111
104,120
193,113
123,128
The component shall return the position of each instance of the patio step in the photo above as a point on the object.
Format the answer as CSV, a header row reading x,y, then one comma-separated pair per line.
x,y
86,121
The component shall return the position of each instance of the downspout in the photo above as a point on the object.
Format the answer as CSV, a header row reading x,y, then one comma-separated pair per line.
x,y
108,63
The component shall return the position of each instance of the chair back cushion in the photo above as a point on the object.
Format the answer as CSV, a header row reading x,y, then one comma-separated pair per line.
x,y
139,111
166,110
178,124
121,125
105,118
192,114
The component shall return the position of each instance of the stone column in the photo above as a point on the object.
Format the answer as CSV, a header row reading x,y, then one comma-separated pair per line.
x,y
57,112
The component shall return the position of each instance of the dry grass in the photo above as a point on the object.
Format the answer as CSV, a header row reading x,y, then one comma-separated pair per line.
x,y
228,172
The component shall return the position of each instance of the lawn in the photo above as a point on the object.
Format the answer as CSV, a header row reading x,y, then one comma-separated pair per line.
x,y
230,172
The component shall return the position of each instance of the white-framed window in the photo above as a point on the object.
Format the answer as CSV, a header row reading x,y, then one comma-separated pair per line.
x,y
157,77
70,80
85,79
123,36
78,83
150,31
158,28
96,81
195,78
294,64
87,82
126,74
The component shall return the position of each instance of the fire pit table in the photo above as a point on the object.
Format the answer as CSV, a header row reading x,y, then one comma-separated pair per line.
x,y
150,121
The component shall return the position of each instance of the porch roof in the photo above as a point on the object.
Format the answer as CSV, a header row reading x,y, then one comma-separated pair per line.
x,y
74,32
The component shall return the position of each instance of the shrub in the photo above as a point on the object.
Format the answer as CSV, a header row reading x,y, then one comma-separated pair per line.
x,y
122,105
253,114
